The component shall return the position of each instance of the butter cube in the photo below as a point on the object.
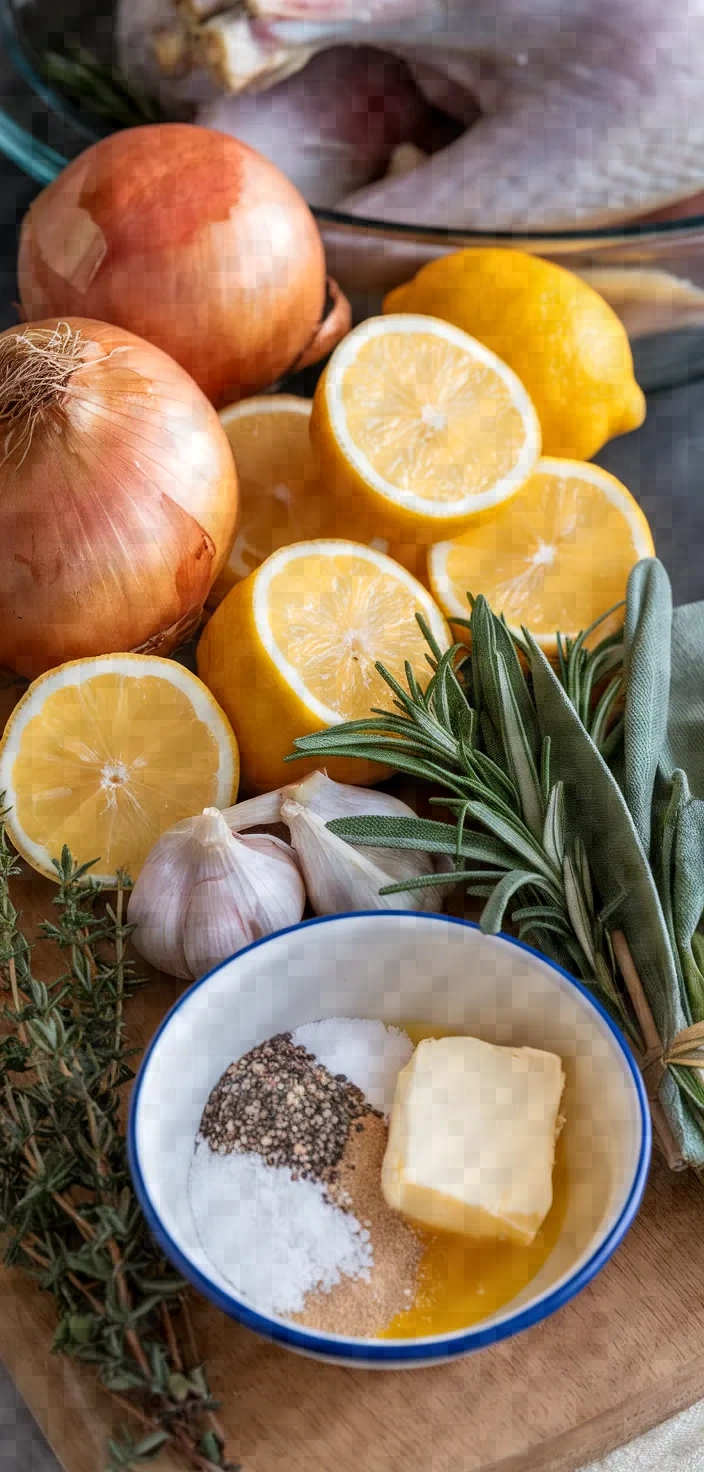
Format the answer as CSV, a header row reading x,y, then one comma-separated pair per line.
x,y
472,1135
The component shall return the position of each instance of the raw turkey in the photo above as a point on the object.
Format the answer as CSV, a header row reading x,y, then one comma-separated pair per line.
x,y
335,125
592,111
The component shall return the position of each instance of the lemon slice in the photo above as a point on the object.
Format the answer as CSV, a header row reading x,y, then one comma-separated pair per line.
x,y
105,754
281,497
418,427
293,648
555,559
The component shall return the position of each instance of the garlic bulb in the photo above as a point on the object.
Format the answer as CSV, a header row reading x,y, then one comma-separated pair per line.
x,y
338,875
205,892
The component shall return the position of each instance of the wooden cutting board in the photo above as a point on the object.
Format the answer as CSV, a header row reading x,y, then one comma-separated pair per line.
x,y
627,1353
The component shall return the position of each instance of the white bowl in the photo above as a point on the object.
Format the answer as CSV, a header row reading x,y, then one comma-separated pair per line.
x,y
398,966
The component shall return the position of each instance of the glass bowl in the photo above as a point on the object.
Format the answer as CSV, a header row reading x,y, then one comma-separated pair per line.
x,y
653,274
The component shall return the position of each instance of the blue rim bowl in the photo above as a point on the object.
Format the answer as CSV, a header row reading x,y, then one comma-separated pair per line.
x,y
255,961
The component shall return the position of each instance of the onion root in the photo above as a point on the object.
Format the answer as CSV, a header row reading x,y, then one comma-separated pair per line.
x,y
36,367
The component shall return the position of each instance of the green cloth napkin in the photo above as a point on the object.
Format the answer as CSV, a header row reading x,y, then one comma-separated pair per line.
x,y
684,744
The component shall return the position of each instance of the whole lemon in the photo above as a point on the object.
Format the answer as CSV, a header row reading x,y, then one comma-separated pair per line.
x,y
560,337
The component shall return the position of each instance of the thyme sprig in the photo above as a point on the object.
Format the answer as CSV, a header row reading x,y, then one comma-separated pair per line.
x,y
473,733
67,1207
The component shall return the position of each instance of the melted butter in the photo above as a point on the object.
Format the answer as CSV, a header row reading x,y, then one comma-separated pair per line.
x,y
462,1281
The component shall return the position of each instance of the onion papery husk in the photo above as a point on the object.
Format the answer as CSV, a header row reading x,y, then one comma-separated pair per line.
x,y
118,496
190,239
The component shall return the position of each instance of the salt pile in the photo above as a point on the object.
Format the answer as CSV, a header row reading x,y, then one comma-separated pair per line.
x,y
368,1052
272,1237
282,1200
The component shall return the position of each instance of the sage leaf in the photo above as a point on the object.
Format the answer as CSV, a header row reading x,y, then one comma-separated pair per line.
x,y
621,869
210,1447
647,639
150,1445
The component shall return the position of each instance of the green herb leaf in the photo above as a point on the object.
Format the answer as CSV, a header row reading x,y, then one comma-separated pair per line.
x,y
423,834
647,668
519,754
619,865
490,638
554,826
495,908
577,910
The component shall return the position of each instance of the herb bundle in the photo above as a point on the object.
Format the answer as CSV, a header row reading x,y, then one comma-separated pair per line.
x,y
550,776
67,1207
102,90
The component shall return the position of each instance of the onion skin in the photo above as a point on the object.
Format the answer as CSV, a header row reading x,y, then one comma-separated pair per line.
x,y
120,512
191,240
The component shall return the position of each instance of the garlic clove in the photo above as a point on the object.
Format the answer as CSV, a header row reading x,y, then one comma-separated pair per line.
x,y
339,800
205,892
158,900
255,812
212,927
320,794
340,877
272,893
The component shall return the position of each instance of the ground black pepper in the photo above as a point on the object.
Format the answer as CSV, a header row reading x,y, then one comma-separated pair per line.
x,y
280,1102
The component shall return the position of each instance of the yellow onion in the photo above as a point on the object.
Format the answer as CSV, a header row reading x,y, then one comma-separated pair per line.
x,y
188,238
118,495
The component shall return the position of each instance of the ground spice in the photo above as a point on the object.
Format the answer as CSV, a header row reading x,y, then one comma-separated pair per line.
x,y
279,1102
272,1237
285,1184
366,1306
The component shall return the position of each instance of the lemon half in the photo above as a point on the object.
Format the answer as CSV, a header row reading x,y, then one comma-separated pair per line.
x,y
418,428
555,559
293,649
105,754
281,496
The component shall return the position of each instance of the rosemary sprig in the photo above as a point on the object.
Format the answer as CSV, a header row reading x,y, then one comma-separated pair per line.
x,y
474,733
67,1207
591,676
83,79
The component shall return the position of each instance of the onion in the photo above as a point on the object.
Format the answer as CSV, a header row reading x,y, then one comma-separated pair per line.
x,y
188,238
118,495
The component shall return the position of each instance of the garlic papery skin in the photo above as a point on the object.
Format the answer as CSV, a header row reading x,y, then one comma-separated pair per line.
x,y
318,794
339,877
205,892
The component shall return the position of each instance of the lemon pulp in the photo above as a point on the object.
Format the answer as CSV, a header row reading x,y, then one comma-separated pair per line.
x,y
109,761
462,1281
433,421
281,497
332,618
558,556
